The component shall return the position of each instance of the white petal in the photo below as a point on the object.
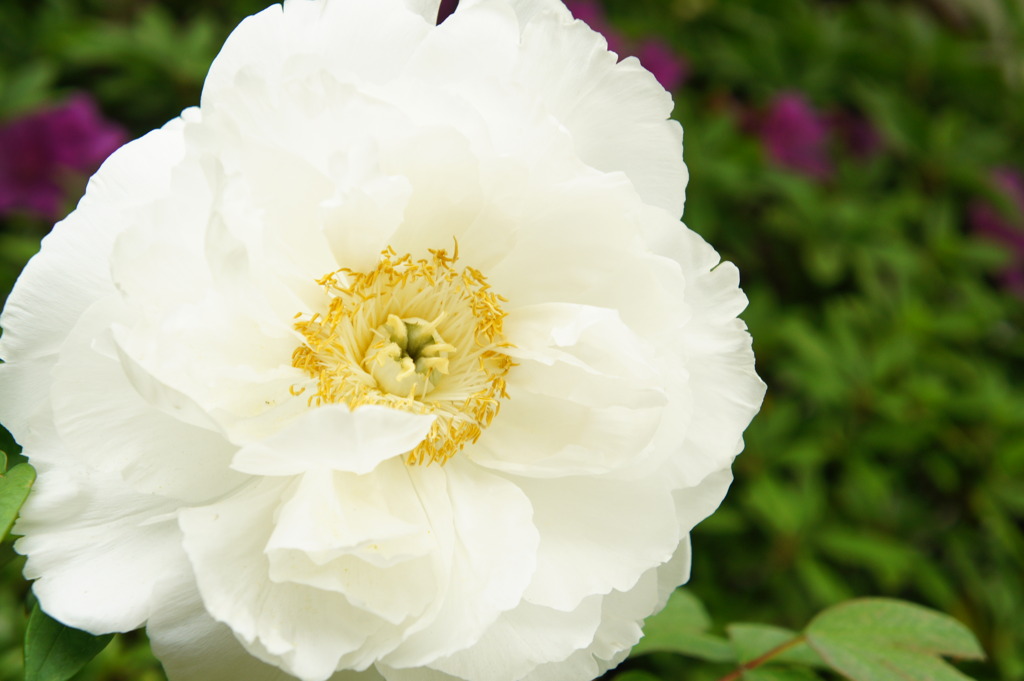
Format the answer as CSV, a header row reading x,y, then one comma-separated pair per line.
x,y
621,616
426,8
541,436
453,205
192,646
216,343
492,557
526,9
366,537
674,573
487,30
598,535
724,390
97,549
582,400
153,451
24,394
617,113
590,338
581,241
377,518
304,630
360,224
523,638
287,189
697,503
356,40
333,437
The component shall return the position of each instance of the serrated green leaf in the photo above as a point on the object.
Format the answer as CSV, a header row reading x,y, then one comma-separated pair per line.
x,y
680,628
14,489
56,652
878,639
751,641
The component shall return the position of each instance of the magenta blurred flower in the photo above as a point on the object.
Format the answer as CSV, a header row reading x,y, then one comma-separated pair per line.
x,y
856,133
795,135
660,59
656,55
1004,227
41,151
591,13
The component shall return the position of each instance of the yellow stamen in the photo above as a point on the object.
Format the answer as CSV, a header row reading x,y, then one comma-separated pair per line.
x,y
410,334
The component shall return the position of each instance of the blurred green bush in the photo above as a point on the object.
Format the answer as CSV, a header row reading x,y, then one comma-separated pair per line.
x,y
889,456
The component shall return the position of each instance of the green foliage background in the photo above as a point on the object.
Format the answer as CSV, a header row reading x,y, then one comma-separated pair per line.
x,y
889,456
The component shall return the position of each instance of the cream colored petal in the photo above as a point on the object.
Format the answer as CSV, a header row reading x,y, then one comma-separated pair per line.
x,y
304,630
192,646
585,397
153,449
333,437
98,549
491,561
366,537
597,535
524,638
354,40
617,113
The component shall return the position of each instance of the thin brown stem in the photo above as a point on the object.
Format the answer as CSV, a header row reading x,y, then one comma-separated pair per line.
x,y
758,661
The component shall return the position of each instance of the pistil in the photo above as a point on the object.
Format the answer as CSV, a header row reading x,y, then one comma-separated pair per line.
x,y
410,356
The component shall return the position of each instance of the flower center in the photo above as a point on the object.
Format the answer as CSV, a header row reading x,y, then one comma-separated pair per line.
x,y
417,335
410,357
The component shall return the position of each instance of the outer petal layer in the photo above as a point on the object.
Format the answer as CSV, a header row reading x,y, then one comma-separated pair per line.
x,y
99,551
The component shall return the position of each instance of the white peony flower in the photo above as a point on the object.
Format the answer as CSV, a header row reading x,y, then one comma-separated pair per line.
x,y
391,359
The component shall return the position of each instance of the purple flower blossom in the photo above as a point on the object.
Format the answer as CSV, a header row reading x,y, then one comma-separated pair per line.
x,y
669,68
40,152
796,136
591,13
1004,227
656,55
858,136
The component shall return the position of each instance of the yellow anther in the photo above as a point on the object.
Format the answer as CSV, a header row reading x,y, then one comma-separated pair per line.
x,y
404,332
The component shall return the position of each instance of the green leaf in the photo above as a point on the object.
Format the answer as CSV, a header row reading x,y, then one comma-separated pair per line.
x,y
54,651
879,639
636,675
14,487
780,674
892,561
754,640
680,628
26,88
